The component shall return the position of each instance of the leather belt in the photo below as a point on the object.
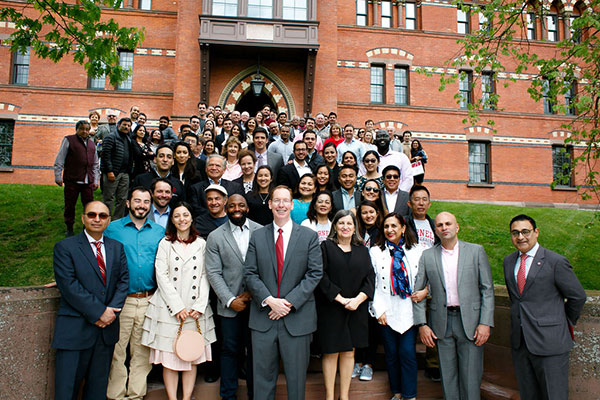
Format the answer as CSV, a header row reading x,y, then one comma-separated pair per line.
x,y
145,293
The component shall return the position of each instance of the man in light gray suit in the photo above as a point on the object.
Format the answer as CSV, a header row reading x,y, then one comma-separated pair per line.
x,y
283,268
462,308
546,300
226,249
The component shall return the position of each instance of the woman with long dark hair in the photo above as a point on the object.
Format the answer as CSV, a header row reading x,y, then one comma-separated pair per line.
x,y
258,198
418,154
209,130
330,157
251,125
181,300
320,213
370,164
324,178
142,153
304,194
184,166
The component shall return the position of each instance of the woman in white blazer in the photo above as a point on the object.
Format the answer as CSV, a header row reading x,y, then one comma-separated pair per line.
x,y
182,295
396,261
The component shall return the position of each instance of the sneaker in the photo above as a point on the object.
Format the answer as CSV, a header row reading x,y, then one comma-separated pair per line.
x,y
433,374
357,370
367,373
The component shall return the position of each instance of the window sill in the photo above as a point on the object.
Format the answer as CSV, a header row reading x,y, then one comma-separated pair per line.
x,y
481,185
565,188
6,169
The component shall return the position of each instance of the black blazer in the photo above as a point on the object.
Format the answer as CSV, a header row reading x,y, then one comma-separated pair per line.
x,y
84,296
338,200
288,176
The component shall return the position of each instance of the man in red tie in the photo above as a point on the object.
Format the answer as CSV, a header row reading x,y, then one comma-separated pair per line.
x,y
283,267
546,300
92,276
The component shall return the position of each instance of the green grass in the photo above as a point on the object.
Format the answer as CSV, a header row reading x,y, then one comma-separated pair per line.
x,y
31,221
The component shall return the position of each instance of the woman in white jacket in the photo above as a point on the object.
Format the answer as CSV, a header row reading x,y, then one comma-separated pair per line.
x,y
182,295
396,261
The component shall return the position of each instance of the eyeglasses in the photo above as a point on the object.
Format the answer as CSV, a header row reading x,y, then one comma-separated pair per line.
x,y
392,177
370,161
94,215
371,189
525,232
281,201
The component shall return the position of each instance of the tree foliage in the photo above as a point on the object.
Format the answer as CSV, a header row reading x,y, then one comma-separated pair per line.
x,y
501,45
52,29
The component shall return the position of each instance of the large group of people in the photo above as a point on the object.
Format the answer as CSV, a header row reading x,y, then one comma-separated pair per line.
x,y
275,239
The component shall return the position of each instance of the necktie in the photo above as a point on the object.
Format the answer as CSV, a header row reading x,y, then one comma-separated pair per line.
x,y
261,160
521,274
100,260
279,253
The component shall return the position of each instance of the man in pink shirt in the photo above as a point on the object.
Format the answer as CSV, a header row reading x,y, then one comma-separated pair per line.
x,y
460,320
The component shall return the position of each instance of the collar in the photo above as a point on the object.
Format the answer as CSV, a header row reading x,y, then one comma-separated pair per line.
x,y
91,239
155,210
215,183
395,192
264,153
287,227
127,221
450,252
298,165
158,174
344,191
533,251
233,227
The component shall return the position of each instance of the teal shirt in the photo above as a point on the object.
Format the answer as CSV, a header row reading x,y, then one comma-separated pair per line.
x,y
140,249
298,213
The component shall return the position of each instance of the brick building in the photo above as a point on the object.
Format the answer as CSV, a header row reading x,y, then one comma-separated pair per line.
x,y
358,58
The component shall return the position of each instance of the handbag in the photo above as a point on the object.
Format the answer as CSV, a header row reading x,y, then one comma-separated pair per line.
x,y
417,168
189,345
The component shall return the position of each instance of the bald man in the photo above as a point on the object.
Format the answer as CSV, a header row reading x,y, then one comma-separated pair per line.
x,y
460,320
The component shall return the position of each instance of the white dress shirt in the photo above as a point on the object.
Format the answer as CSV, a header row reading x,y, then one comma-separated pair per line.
x,y
241,235
93,246
450,266
530,255
287,232
302,169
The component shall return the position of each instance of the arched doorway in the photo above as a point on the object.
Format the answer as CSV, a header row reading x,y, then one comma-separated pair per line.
x,y
253,104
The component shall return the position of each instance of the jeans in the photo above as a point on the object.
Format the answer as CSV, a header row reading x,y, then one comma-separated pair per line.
x,y
401,360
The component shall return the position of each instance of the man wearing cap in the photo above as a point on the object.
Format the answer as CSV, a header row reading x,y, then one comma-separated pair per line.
x,y
216,197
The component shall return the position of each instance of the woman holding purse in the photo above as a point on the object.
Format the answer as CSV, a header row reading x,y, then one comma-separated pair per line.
x,y
181,299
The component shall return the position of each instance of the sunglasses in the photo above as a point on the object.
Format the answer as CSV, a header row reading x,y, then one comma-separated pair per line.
x,y
369,161
93,215
371,189
392,177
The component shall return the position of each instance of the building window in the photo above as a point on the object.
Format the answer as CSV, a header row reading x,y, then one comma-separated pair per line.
x,y
7,129
479,162
462,18
296,10
97,83
552,24
562,172
483,22
260,9
401,85
361,12
410,16
225,8
126,61
575,33
145,5
548,100
487,91
570,99
21,67
377,83
464,88
386,14
531,34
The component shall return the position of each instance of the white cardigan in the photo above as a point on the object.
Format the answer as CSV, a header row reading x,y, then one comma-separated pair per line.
x,y
398,311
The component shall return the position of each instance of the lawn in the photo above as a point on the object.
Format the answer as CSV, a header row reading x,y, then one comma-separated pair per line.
x,y
31,221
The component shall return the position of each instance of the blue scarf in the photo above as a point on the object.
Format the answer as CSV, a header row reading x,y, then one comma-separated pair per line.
x,y
399,274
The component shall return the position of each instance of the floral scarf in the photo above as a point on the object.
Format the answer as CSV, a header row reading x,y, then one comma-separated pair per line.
x,y
399,274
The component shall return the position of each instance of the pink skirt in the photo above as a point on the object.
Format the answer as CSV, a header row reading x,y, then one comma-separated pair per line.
x,y
170,360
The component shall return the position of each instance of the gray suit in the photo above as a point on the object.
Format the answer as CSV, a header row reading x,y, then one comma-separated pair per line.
x,y
461,378
288,337
540,316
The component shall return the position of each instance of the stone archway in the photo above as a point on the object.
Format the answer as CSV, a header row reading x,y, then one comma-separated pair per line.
x,y
239,85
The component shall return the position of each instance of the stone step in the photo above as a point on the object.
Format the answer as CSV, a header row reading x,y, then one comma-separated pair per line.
x,y
377,389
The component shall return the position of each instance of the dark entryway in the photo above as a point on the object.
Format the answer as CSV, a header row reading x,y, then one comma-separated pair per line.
x,y
253,104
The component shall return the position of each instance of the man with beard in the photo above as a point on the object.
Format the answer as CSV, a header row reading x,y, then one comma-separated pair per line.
x,y
140,238
164,161
162,193
216,197
226,249
390,157
290,174
168,133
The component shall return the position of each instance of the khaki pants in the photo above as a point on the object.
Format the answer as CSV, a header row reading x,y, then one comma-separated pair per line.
x,y
130,332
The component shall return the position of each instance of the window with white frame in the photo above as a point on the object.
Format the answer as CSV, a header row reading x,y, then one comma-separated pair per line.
x,y
386,14
552,26
126,62
225,8
260,9
462,18
410,15
484,24
296,10
145,4
361,12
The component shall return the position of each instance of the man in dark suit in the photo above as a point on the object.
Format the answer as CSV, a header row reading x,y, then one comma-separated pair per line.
x,y
92,276
263,156
226,249
346,197
395,199
291,173
224,135
283,268
546,300
215,168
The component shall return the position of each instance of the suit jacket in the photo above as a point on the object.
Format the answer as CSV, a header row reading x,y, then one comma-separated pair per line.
x,y
302,272
338,200
541,312
401,203
84,296
198,197
475,294
275,162
225,266
288,176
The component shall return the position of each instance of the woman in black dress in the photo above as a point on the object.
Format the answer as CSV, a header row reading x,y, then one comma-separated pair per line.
x,y
258,198
342,310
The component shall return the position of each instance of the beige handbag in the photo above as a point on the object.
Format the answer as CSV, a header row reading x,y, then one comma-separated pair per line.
x,y
189,345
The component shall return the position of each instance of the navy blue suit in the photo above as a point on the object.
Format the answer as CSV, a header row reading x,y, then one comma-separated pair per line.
x,y
84,350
